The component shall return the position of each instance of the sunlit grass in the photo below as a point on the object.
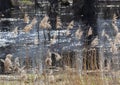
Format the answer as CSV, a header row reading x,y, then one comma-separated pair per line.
x,y
64,78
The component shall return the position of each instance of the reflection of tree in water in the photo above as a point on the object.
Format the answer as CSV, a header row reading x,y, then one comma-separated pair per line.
x,y
5,8
85,11
7,49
